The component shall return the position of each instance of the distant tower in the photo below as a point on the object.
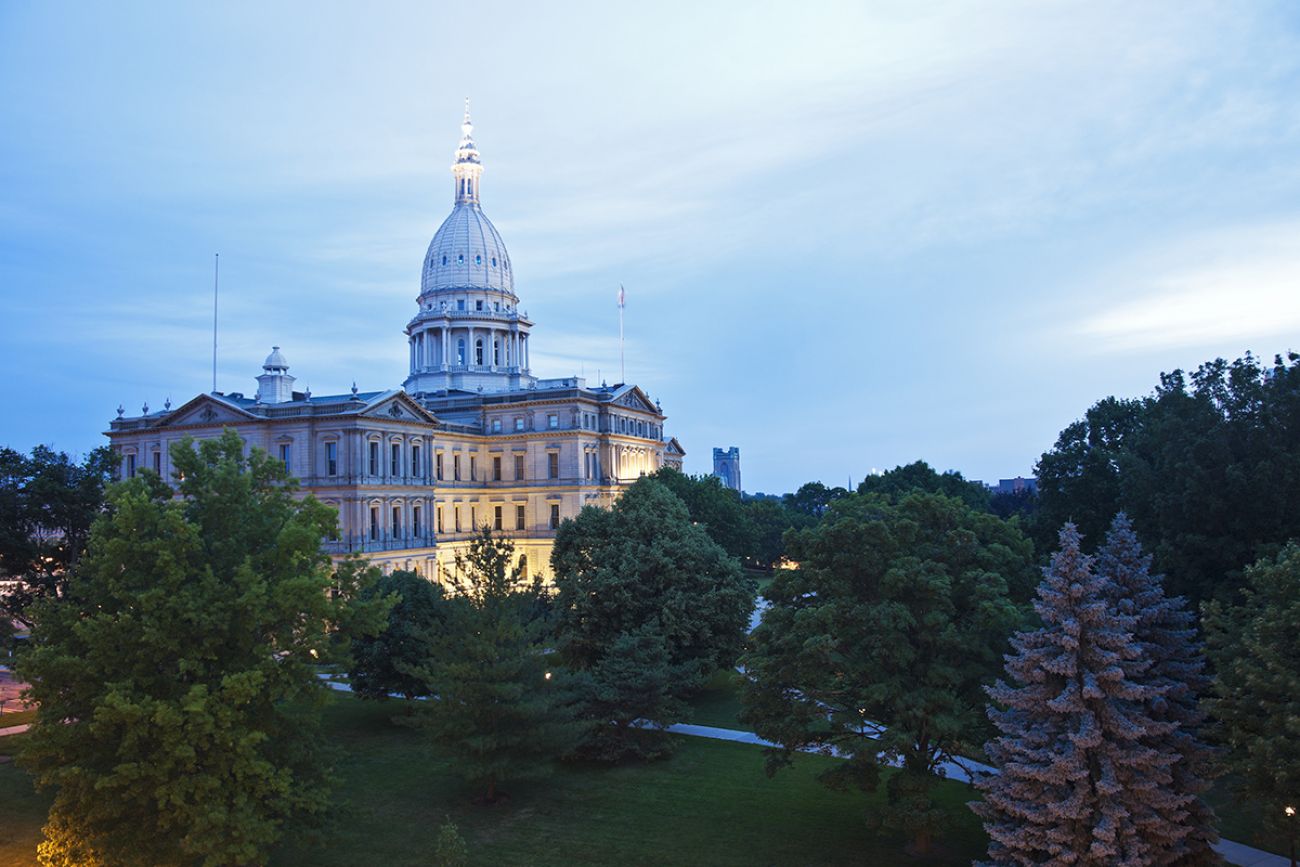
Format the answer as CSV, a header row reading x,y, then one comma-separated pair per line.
x,y
726,466
275,385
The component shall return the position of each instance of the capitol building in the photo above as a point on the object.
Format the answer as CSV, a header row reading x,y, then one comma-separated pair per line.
x,y
471,438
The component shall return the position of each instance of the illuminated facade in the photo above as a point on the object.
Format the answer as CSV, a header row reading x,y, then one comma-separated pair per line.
x,y
472,437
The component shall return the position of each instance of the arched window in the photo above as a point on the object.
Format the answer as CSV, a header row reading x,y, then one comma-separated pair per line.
x,y
494,261
496,352
478,351
478,260
444,260
460,352
460,258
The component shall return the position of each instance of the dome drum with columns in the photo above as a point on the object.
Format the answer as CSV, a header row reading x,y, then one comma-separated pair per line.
x,y
472,439
468,334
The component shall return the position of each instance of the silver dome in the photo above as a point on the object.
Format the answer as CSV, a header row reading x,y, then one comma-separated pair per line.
x,y
467,253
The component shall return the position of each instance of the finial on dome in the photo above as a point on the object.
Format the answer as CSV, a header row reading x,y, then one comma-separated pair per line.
x,y
467,125
467,167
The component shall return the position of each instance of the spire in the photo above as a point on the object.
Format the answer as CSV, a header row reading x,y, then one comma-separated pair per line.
x,y
467,168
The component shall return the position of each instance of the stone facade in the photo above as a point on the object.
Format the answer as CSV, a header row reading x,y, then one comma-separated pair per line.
x,y
726,466
473,438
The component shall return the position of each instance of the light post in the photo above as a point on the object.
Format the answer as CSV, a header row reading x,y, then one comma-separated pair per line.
x,y
1290,830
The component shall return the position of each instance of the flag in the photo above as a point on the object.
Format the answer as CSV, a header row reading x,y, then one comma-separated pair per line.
x,y
622,297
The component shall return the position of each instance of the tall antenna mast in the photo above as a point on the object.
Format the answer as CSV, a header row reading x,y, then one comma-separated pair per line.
x,y
216,275
622,302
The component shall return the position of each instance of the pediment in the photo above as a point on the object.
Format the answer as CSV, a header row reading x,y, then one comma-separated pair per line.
x,y
674,447
398,406
637,399
207,410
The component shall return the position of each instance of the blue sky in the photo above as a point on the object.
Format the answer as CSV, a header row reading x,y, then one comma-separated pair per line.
x,y
852,235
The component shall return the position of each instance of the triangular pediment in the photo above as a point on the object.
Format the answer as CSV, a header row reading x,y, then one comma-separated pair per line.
x,y
635,398
206,409
398,406
674,447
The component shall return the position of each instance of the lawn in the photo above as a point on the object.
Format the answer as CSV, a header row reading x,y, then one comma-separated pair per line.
x,y
718,703
710,803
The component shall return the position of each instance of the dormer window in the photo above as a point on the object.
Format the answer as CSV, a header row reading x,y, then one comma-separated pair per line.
x,y
478,260
494,261
460,258
444,260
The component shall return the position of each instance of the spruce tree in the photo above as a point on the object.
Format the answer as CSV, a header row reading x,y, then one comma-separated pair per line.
x,y
1078,782
1165,633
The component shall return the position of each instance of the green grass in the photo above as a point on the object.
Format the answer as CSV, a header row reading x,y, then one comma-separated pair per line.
x,y
22,811
17,717
1241,820
718,703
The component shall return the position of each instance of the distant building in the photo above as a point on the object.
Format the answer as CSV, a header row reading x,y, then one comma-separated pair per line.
x,y
472,437
726,466
1017,485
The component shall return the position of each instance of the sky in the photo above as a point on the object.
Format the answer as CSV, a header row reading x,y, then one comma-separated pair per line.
x,y
852,235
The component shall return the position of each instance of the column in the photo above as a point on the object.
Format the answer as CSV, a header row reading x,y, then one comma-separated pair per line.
x,y
446,348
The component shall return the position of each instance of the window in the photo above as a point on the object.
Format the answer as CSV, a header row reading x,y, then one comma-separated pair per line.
x,y
519,422
478,305
397,522
555,516
286,452
331,458
444,260
157,462
473,517
438,515
456,512
374,459
494,261
130,466
552,465
496,351
473,468
455,468
519,517
496,425
416,529
478,351
395,460
519,468
552,421
460,303
460,258
478,260
496,519
415,461
437,465
374,522
496,468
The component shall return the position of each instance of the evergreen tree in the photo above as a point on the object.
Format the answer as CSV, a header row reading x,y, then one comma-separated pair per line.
x,y
1165,633
1255,648
449,850
175,677
878,644
382,664
502,710
1078,784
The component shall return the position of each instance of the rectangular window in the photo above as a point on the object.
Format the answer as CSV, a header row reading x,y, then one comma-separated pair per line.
x,y
555,516
496,519
496,425
473,517
437,514
374,522
415,461
519,468
286,452
456,514
553,421
130,466
374,459
455,468
519,517
519,423
552,465
395,460
437,466
473,468
416,528
397,522
331,459
157,462
496,468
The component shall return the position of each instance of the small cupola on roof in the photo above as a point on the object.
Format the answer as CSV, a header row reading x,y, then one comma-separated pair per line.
x,y
275,385
467,251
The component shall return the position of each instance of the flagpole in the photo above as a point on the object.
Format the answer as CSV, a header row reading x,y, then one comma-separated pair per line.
x,y
622,368
216,273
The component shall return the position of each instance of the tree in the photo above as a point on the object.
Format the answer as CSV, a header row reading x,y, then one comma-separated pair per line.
x,y
449,850
770,519
382,664
813,499
47,505
1165,634
1255,648
502,709
719,510
918,476
640,584
1078,782
175,677
1207,467
878,644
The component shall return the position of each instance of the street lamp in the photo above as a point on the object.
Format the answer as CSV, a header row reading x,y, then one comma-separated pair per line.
x,y
1290,830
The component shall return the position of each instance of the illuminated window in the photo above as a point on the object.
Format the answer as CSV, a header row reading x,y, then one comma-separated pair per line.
x,y
438,515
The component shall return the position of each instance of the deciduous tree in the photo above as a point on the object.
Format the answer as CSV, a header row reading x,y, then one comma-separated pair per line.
x,y
383,664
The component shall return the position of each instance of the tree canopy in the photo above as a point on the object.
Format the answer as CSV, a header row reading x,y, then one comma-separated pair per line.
x,y
383,663
919,476
720,511
879,643
1207,467
175,676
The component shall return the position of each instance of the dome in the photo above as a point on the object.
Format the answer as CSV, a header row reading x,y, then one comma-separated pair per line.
x,y
467,253
275,361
